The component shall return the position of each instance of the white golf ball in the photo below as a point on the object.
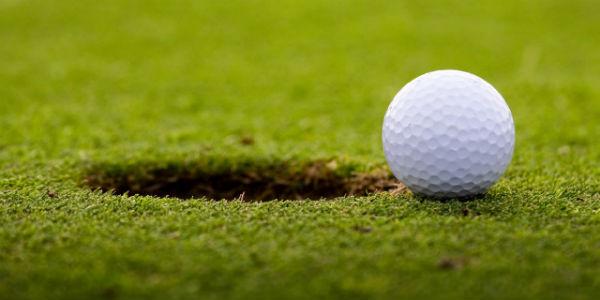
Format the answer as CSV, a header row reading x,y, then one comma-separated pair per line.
x,y
448,134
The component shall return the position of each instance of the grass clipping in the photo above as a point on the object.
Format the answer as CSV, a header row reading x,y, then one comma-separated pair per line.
x,y
246,181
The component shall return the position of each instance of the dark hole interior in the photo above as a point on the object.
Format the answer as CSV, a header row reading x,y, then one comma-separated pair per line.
x,y
260,182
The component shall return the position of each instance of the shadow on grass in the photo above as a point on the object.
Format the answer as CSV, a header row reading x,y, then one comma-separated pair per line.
x,y
248,181
491,203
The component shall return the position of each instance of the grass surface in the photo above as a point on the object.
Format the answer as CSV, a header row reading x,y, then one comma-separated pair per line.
x,y
149,83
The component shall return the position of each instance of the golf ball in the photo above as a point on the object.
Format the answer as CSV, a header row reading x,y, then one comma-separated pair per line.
x,y
448,134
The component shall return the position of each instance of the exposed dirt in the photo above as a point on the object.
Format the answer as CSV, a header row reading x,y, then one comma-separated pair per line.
x,y
315,180
452,263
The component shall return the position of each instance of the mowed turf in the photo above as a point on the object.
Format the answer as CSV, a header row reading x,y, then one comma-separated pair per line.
x,y
113,86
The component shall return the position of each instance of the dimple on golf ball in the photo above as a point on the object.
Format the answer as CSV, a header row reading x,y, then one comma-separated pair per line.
x,y
448,134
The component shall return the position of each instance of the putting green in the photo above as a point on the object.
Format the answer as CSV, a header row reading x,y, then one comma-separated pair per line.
x,y
125,89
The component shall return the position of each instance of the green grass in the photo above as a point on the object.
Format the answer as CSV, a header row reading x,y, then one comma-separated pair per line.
x,y
130,83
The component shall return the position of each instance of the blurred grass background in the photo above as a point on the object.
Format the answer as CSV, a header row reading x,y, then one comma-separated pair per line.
x,y
152,81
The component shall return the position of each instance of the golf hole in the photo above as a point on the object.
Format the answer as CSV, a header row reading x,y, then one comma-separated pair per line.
x,y
246,182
